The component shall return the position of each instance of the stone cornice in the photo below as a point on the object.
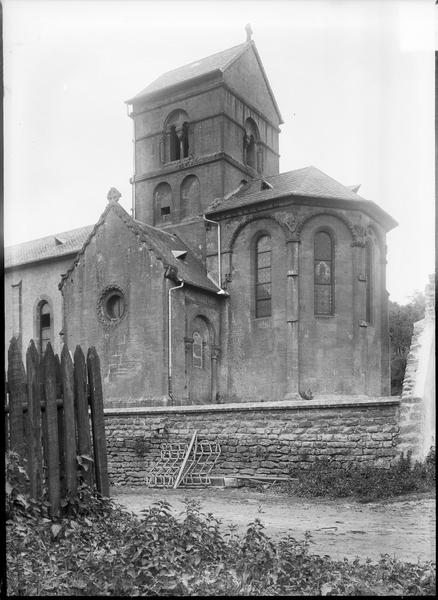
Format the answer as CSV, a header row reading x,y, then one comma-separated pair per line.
x,y
188,163
323,402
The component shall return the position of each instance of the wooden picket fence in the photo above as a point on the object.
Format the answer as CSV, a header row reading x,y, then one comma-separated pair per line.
x,y
47,420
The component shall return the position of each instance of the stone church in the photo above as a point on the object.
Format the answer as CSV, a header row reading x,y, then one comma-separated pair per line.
x,y
230,282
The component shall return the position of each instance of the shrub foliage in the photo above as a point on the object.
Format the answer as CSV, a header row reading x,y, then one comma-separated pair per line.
x,y
327,478
97,548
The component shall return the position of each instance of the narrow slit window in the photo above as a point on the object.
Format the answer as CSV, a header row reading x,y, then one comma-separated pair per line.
x,y
263,284
45,325
323,274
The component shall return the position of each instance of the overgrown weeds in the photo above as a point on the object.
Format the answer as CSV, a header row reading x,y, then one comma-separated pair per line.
x,y
326,478
100,549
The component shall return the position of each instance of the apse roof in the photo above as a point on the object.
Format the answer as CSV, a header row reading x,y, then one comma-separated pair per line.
x,y
49,247
308,181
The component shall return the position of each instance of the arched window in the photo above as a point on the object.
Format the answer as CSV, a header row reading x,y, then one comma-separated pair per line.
x,y
45,322
263,290
252,153
323,274
369,276
197,350
176,134
162,202
190,196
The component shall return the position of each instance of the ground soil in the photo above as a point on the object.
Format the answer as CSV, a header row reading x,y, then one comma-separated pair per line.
x,y
403,528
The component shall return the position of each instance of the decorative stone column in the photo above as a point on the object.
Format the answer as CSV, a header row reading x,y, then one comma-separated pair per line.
x,y
360,338
292,320
188,348
215,355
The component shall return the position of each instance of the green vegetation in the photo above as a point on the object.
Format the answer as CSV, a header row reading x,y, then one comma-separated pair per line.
x,y
401,325
96,548
368,483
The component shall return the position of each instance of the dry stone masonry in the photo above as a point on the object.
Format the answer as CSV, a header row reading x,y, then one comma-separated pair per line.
x,y
259,438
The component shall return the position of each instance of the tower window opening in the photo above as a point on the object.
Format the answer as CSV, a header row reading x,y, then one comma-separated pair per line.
x,y
165,210
174,144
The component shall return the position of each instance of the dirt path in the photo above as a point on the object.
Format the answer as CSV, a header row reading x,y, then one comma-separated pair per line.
x,y
404,528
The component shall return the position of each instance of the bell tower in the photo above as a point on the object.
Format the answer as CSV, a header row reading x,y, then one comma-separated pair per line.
x,y
199,131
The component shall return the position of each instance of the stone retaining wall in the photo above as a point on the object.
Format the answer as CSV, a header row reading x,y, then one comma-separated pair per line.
x,y
256,438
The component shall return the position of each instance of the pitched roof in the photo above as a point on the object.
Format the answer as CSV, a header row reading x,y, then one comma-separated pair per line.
x,y
308,181
162,243
49,247
219,61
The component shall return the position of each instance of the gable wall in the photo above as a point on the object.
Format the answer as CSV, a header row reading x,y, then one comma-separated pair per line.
x,y
245,77
131,353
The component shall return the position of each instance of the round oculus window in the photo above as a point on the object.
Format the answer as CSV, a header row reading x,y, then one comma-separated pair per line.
x,y
111,305
114,305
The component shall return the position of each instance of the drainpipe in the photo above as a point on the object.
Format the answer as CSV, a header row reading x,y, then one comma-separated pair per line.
x,y
133,164
169,329
219,265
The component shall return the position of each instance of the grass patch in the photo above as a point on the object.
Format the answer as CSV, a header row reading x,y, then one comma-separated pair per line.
x,y
368,483
97,548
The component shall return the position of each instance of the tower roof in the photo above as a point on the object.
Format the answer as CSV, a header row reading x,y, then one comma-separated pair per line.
x,y
218,62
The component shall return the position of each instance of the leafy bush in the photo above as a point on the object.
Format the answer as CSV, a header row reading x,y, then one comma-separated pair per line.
x,y
97,548
103,550
327,478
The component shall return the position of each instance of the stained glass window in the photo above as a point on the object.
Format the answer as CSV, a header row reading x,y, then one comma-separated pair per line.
x,y
263,291
323,273
197,355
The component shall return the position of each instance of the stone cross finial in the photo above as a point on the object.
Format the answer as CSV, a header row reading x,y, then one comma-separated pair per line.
x,y
113,195
248,32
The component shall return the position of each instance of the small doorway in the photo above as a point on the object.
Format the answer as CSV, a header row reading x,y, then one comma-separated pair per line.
x,y
199,362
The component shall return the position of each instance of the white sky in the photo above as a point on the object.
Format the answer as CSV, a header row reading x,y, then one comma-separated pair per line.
x,y
354,82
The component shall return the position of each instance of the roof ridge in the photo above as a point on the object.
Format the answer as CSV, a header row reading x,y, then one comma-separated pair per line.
x,y
336,181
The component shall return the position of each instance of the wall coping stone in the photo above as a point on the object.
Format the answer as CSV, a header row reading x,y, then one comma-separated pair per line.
x,y
315,403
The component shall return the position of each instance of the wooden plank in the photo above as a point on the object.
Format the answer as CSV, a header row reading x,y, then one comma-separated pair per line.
x,y
52,442
58,392
6,415
69,420
81,411
17,397
184,462
97,422
34,458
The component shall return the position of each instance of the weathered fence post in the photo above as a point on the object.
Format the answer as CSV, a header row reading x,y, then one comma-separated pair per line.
x,y
34,449
6,414
69,420
52,443
81,410
58,392
98,424
17,397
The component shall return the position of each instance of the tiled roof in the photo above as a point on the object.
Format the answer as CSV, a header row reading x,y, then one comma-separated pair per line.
x,y
46,248
308,181
190,269
218,61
